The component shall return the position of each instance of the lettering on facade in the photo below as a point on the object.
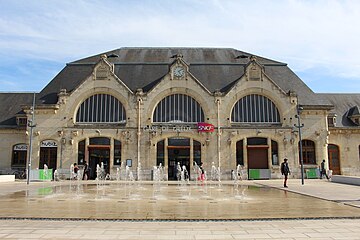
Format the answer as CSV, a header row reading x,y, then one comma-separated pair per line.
x,y
177,128
20,147
48,143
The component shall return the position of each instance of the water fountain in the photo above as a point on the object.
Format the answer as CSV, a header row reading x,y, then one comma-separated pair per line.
x,y
118,174
127,173
178,172
184,174
46,171
215,173
138,172
131,176
158,173
56,175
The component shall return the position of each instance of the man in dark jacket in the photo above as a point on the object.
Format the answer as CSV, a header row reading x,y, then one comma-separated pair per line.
x,y
285,170
323,170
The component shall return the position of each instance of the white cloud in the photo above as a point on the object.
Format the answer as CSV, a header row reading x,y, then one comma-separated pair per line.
x,y
305,34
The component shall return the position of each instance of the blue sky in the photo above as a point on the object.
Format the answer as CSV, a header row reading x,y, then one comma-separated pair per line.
x,y
318,39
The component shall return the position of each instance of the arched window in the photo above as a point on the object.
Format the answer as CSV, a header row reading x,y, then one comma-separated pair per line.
x,y
308,149
101,108
255,108
19,155
178,108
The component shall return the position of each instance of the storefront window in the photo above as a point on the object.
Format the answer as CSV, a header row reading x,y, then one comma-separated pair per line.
x,y
240,153
274,153
117,152
197,152
160,153
81,152
309,156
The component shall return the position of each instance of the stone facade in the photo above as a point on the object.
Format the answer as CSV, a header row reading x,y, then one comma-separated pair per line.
x,y
139,135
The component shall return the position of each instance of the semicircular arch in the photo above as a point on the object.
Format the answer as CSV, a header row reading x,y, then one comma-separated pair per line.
x,y
188,93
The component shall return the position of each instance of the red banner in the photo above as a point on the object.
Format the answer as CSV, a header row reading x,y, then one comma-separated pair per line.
x,y
205,127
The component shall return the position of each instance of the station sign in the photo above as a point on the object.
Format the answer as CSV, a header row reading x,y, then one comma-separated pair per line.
x,y
205,127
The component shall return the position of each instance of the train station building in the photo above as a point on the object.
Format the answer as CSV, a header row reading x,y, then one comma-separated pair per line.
x,y
143,107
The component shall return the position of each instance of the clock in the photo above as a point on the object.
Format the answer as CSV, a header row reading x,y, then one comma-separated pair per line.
x,y
179,71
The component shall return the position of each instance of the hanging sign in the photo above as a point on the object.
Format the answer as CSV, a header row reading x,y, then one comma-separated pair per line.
x,y
48,143
205,127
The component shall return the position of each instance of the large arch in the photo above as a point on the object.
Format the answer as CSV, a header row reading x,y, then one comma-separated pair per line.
x,y
101,108
178,108
255,108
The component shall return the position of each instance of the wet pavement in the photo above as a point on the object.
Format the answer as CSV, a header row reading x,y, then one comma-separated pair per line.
x,y
316,210
166,201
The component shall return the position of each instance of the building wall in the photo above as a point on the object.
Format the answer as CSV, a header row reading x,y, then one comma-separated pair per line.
x,y
348,142
57,123
9,138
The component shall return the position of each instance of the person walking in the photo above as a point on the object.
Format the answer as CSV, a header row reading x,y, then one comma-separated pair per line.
x,y
323,170
285,170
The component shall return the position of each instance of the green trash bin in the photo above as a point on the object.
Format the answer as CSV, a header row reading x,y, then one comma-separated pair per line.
x,y
254,173
311,173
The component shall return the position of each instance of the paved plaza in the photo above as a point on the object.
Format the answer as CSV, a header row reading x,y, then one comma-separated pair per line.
x,y
341,201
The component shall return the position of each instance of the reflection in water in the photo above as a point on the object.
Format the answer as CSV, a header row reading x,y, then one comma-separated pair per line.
x,y
163,200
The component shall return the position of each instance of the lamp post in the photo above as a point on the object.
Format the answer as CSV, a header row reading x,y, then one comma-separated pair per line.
x,y
31,125
299,126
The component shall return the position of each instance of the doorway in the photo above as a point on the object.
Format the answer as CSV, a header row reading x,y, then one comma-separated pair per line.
x,y
48,156
98,155
178,152
334,159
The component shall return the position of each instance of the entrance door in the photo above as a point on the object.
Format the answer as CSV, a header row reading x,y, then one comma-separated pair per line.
x,y
48,156
178,152
334,159
257,157
98,155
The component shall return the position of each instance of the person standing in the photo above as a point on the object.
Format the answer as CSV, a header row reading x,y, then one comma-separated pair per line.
x,y
285,170
86,171
323,170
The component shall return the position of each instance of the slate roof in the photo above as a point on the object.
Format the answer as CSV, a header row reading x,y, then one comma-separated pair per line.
x,y
215,68
11,105
343,103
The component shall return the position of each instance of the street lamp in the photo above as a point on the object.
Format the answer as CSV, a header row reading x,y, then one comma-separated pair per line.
x,y
299,126
31,125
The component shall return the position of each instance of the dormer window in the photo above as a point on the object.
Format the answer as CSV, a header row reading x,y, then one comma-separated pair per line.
x,y
354,115
21,121
331,120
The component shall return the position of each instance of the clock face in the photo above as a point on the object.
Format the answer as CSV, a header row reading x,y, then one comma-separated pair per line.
x,y
179,72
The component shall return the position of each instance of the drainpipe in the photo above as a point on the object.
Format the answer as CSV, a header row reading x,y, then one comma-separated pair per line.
x,y
218,133
31,125
139,93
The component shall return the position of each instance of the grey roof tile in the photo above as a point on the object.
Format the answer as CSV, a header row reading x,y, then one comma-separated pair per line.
x,y
11,105
342,102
